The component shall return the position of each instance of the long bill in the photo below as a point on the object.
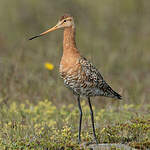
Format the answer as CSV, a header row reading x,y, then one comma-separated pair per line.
x,y
49,30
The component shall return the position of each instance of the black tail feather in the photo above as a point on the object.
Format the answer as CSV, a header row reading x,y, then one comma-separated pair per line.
x,y
116,95
112,93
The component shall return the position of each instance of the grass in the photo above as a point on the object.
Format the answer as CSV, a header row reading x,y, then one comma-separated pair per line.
x,y
42,126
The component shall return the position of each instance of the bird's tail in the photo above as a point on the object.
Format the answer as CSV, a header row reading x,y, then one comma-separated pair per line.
x,y
111,93
116,95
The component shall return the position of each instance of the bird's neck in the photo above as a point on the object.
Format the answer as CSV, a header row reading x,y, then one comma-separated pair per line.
x,y
69,44
70,52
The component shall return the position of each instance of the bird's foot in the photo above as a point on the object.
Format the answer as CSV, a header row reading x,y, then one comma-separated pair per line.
x,y
95,140
79,141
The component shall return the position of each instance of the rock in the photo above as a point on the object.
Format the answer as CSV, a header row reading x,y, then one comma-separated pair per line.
x,y
110,147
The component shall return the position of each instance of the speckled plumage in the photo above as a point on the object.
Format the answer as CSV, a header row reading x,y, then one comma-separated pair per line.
x,y
85,80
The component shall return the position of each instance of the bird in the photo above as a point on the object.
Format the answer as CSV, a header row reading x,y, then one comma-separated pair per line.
x,y
78,73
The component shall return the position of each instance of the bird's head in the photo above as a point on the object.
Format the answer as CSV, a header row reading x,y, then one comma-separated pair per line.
x,y
65,21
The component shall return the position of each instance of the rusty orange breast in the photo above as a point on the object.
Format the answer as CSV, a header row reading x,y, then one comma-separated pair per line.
x,y
69,63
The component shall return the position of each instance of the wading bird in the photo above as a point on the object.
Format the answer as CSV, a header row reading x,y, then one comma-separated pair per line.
x,y
78,73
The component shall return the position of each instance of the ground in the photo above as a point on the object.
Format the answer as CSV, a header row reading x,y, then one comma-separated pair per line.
x,y
43,126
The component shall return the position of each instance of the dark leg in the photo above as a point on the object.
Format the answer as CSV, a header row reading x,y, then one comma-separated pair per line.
x,y
80,122
92,118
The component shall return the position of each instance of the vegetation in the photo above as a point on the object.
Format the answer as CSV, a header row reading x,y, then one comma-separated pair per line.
x,y
113,34
42,126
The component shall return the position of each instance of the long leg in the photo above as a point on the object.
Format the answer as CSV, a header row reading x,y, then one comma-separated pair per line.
x,y
80,121
92,119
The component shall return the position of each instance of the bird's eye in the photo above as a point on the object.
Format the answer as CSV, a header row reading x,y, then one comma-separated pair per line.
x,y
65,20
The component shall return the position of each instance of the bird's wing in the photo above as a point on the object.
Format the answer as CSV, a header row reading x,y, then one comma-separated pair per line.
x,y
93,79
91,73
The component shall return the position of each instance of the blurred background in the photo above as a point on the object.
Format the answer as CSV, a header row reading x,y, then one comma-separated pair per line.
x,y
114,35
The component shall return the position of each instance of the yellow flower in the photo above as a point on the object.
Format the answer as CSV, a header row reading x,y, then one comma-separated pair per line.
x,y
102,130
49,66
